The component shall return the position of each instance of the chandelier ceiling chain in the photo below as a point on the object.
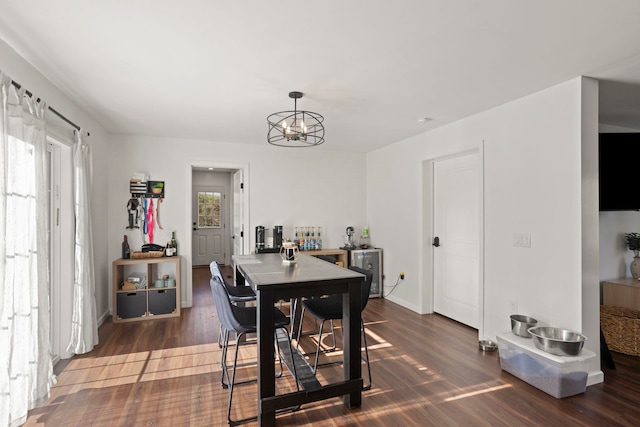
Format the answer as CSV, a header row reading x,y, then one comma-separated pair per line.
x,y
297,128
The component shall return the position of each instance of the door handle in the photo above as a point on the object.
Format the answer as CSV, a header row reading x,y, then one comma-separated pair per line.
x,y
436,241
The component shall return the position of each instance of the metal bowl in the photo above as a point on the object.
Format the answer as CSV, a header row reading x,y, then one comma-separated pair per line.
x,y
520,325
561,342
487,345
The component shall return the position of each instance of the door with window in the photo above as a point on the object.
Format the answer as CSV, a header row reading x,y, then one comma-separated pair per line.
x,y
210,238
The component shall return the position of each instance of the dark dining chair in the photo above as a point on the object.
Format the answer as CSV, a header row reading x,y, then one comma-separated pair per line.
x,y
237,294
294,303
242,320
330,308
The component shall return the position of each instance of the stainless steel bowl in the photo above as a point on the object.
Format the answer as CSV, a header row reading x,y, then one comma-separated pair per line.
x,y
561,342
520,325
487,345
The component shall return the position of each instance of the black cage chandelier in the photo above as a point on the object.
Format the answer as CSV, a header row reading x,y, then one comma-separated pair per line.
x,y
295,128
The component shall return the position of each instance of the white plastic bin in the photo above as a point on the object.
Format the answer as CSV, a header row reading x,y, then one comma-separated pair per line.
x,y
559,376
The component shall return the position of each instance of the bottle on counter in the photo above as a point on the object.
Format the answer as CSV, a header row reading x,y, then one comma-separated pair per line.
x,y
301,239
126,250
168,251
174,243
307,239
312,238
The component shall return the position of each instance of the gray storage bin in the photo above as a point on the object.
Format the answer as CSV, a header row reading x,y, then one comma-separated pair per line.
x,y
132,304
162,301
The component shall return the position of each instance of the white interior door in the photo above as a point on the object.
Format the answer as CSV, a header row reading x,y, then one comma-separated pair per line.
x,y
238,213
209,238
456,285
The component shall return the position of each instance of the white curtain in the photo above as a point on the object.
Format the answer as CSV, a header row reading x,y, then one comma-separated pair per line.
x,y
26,372
84,327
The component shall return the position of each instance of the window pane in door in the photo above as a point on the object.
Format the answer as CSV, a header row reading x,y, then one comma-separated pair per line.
x,y
209,209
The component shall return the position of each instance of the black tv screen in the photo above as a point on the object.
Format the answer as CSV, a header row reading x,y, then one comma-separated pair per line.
x,y
619,171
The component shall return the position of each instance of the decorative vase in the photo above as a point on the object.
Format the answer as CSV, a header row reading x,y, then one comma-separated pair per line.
x,y
635,268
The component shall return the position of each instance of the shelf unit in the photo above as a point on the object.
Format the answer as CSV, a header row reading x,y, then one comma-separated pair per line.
x,y
150,302
342,256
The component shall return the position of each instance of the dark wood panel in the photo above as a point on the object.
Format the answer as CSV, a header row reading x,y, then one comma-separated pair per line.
x,y
427,370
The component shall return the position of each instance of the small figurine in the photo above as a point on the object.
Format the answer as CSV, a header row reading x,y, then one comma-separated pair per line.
x,y
132,209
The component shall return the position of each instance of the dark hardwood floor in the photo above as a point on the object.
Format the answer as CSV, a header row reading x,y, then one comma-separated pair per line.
x,y
427,371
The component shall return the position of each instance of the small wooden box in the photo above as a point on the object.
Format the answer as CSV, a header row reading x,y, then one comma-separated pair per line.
x,y
128,286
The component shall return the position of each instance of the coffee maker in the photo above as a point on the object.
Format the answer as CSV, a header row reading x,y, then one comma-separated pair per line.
x,y
277,237
260,238
268,239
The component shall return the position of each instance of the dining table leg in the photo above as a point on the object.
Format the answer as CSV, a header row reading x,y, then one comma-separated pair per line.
x,y
351,312
266,360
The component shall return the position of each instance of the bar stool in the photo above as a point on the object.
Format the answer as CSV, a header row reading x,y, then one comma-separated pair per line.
x,y
237,294
242,320
330,308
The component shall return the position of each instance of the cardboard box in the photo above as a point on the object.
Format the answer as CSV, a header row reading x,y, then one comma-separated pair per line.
x,y
128,286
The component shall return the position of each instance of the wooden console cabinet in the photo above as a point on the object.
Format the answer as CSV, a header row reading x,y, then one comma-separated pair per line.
x,y
621,293
342,256
151,302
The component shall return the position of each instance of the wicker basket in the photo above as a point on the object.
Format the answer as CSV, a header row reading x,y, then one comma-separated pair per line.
x,y
621,329
151,254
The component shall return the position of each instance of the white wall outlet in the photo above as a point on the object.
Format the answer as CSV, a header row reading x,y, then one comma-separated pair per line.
x,y
522,240
513,307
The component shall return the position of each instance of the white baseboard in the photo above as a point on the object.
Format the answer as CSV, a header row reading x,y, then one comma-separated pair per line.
x,y
595,378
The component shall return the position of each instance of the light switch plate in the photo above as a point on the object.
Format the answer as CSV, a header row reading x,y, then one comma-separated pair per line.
x,y
522,240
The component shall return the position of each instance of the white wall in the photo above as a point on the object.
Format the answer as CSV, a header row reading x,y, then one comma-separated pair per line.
x,y
289,187
533,184
22,72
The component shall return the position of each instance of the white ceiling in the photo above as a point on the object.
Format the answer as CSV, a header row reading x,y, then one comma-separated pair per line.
x,y
215,70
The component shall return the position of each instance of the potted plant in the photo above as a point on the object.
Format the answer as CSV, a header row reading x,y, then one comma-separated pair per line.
x,y
157,188
633,243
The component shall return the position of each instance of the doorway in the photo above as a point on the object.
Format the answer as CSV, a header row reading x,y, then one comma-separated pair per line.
x,y
210,215
237,205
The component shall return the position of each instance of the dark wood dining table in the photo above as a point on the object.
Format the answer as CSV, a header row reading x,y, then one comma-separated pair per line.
x,y
273,280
